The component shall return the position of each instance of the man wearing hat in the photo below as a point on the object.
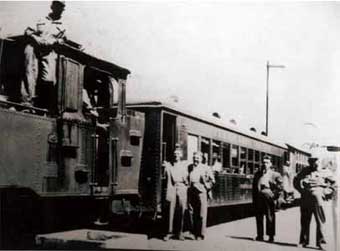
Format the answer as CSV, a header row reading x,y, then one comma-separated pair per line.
x,y
176,175
40,57
201,181
312,185
266,185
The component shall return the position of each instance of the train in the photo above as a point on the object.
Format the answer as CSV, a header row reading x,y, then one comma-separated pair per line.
x,y
238,152
66,169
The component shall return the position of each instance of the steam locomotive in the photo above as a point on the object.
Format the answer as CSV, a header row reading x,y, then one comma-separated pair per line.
x,y
60,169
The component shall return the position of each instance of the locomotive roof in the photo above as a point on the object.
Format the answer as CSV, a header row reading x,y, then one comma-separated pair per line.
x,y
70,49
209,120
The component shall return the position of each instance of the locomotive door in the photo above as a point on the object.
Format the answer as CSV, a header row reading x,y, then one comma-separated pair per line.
x,y
125,147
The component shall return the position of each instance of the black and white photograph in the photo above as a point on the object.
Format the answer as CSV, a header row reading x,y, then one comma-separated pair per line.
x,y
169,125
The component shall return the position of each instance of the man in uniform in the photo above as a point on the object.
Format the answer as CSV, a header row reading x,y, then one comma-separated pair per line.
x,y
266,185
40,58
201,181
313,186
176,193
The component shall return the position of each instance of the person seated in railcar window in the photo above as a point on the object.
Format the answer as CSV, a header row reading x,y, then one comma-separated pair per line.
x,y
216,165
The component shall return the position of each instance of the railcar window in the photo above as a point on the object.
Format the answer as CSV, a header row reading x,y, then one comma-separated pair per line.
x,y
226,157
257,156
216,156
274,162
192,146
205,149
250,169
250,154
235,156
243,153
216,147
256,168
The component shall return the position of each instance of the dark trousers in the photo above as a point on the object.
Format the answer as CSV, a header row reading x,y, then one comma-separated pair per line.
x,y
310,206
198,206
265,206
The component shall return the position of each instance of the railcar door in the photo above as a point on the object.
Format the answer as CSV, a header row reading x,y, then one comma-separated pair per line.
x,y
169,136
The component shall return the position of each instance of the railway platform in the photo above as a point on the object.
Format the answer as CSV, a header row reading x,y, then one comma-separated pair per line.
x,y
235,235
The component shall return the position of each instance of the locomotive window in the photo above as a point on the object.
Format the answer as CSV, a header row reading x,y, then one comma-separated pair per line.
x,y
250,154
243,153
234,155
256,168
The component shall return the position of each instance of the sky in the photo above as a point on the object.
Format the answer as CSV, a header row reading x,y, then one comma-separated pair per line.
x,y
212,55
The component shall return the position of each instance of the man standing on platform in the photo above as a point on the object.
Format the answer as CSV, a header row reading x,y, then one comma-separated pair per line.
x,y
314,186
201,181
176,175
266,187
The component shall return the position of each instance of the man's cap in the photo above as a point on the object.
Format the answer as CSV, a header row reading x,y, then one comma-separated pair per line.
x,y
60,2
313,158
267,157
178,148
198,154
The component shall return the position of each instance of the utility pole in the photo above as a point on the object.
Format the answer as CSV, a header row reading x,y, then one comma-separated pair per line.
x,y
267,94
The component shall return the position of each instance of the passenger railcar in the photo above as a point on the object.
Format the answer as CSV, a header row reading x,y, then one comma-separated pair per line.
x,y
60,167
238,152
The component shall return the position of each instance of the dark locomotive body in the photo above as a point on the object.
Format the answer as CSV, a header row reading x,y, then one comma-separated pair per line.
x,y
60,168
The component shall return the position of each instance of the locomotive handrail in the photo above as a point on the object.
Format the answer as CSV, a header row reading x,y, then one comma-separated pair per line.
x,y
10,103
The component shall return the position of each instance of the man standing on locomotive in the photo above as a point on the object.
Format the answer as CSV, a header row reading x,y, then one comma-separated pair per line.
x,y
176,192
201,182
266,187
40,58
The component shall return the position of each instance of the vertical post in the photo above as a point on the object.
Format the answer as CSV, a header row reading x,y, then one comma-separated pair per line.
x,y
121,113
267,98
1,49
93,183
113,164
267,93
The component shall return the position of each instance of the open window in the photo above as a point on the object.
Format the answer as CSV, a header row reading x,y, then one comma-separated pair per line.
x,y
205,149
226,157
169,136
97,94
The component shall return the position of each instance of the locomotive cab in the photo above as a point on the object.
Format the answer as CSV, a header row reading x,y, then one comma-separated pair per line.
x,y
75,157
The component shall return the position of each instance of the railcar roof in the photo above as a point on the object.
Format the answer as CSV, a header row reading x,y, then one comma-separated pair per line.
x,y
82,57
298,150
209,120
